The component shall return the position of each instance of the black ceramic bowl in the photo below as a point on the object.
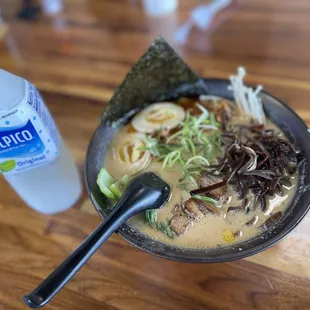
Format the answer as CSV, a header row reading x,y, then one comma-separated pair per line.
x,y
284,117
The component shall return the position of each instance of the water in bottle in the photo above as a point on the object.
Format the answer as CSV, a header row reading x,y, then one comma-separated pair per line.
x,y
33,156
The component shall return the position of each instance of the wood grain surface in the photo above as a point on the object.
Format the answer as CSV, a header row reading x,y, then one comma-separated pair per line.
x,y
77,58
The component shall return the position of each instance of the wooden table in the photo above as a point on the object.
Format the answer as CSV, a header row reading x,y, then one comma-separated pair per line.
x,y
77,58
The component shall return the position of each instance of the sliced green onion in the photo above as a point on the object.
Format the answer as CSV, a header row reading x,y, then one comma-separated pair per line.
x,y
193,181
175,158
165,228
202,137
213,121
178,133
191,146
202,159
205,198
208,127
166,160
189,141
151,216
203,116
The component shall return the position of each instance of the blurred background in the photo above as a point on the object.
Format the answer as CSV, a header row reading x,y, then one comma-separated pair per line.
x,y
85,47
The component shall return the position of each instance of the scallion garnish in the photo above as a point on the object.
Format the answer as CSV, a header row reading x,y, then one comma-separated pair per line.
x,y
205,198
194,145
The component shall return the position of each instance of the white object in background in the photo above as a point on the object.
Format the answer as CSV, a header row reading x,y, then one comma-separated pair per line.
x,y
52,6
33,157
201,16
159,7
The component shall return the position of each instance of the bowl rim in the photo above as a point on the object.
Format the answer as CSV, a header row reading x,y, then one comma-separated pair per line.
x,y
209,259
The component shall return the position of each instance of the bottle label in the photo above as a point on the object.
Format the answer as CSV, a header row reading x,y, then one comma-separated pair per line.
x,y
28,135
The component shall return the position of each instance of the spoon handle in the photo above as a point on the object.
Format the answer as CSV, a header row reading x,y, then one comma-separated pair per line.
x,y
144,192
64,272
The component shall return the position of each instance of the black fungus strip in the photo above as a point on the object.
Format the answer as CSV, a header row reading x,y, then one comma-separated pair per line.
x,y
285,181
255,160
235,209
260,173
273,219
205,190
252,221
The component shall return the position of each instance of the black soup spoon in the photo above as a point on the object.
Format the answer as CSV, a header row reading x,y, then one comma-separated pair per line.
x,y
146,191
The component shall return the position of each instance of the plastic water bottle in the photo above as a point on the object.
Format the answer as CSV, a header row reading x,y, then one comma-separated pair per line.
x,y
33,156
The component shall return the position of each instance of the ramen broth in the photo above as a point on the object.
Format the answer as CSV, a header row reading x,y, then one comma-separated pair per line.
x,y
208,231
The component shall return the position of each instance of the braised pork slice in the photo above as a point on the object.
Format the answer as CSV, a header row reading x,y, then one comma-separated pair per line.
x,y
211,208
193,207
179,224
218,193
197,208
221,108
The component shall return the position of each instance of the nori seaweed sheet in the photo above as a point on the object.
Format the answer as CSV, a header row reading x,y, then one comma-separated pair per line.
x,y
160,74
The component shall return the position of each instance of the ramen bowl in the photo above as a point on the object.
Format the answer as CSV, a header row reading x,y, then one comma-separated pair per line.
x,y
280,114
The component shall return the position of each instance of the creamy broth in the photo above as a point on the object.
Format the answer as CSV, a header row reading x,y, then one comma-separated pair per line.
x,y
232,172
208,232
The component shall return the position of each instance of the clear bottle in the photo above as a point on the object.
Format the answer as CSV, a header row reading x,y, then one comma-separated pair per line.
x,y
33,156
